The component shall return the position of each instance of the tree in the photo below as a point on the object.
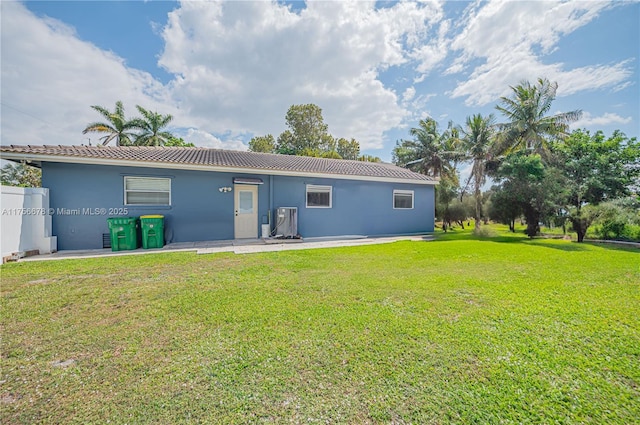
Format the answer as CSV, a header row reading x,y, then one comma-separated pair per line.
x,y
307,135
307,130
116,127
446,192
331,155
21,175
596,169
616,218
286,144
504,207
529,127
348,149
150,127
435,155
536,189
477,142
179,142
265,144
429,152
369,158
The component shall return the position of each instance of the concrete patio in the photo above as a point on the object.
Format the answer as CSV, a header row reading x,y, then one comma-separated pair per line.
x,y
240,246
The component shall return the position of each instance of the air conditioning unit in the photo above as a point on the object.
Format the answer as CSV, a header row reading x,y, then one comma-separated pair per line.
x,y
287,222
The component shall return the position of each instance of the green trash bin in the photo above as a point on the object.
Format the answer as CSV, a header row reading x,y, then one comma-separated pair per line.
x,y
124,233
152,231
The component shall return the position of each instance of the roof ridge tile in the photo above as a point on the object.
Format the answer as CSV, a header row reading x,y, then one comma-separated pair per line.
x,y
213,157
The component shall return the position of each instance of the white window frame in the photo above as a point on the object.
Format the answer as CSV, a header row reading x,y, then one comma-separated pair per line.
x,y
145,191
318,189
403,192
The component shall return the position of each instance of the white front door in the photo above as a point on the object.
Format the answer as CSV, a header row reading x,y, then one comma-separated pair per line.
x,y
246,211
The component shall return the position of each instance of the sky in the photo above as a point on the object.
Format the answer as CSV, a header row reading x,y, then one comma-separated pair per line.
x,y
228,71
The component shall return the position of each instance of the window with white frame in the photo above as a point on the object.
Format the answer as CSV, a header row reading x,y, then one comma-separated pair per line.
x,y
147,191
318,196
403,199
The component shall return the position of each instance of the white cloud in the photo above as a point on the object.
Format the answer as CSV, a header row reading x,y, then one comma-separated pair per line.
x,y
608,118
50,78
510,39
623,86
238,66
204,139
433,52
409,94
418,105
242,64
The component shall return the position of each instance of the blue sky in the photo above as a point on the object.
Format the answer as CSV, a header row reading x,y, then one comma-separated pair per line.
x,y
229,71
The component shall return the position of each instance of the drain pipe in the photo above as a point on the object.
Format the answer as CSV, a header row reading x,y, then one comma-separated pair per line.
x,y
270,203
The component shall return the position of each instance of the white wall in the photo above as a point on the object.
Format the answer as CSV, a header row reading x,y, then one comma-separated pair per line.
x,y
25,221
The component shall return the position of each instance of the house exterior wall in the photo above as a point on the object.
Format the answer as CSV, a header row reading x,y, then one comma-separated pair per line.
x,y
358,207
84,196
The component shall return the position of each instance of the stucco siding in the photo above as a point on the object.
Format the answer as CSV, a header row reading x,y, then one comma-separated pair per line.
x,y
358,208
199,211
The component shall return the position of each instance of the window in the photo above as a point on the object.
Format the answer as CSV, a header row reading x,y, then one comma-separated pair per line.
x,y
318,196
403,199
245,202
147,191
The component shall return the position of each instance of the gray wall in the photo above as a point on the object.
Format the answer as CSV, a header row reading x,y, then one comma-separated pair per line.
x,y
199,211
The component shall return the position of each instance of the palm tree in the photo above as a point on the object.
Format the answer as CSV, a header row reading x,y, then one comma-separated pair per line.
x,y
529,127
116,127
477,142
429,152
150,126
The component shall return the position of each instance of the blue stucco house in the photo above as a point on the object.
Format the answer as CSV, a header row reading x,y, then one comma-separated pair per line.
x,y
211,194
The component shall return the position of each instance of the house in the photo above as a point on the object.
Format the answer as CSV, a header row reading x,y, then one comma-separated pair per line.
x,y
212,194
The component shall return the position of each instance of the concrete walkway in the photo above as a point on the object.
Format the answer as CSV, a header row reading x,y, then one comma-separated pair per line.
x,y
242,246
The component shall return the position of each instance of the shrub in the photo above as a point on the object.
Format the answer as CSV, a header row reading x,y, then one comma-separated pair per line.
x,y
485,232
618,219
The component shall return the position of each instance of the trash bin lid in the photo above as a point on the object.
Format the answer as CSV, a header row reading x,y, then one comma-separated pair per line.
x,y
152,216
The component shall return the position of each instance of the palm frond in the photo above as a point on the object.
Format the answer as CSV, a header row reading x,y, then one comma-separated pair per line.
x,y
98,127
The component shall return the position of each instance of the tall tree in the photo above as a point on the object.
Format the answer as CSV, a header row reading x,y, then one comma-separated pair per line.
x,y
116,127
266,144
529,127
286,144
348,149
307,135
151,128
535,188
596,169
477,142
307,130
429,152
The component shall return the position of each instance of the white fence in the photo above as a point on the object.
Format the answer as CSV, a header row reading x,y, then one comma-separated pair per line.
x,y
25,222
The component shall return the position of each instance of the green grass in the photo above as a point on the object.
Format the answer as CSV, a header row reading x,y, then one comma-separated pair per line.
x,y
459,330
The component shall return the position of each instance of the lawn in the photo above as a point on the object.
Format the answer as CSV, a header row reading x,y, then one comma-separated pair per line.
x,y
458,330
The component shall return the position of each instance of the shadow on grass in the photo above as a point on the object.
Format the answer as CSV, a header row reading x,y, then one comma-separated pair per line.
x,y
511,238
468,235
542,243
501,235
567,246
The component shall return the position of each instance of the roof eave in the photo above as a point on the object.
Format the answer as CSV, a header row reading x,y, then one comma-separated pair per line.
x,y
31,157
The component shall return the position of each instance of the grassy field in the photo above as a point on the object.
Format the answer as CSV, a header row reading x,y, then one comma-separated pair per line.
x,y
459,330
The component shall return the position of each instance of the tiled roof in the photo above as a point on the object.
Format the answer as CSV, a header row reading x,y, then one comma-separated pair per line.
x,y
215,158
